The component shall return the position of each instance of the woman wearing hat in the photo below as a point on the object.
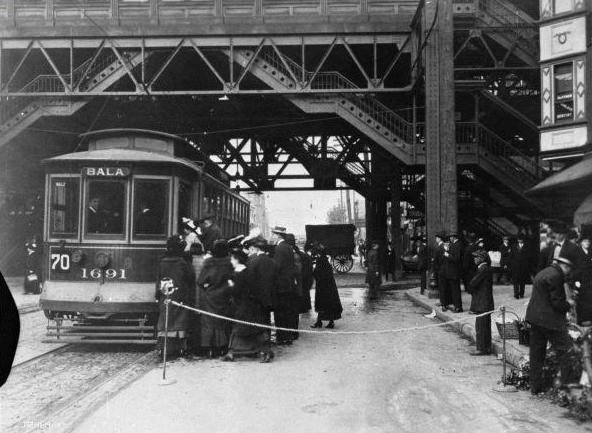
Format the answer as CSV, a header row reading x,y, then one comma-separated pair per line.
x,y
215,294
481,289
249,303
327,302
175,268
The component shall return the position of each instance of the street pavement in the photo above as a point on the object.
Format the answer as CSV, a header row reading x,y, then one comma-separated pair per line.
x,y
503,296
415,381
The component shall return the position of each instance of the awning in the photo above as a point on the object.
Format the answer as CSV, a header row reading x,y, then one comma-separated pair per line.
x,y
575,175
583,214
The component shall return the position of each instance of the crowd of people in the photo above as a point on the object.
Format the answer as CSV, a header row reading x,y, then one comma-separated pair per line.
x,y
246,278
561,276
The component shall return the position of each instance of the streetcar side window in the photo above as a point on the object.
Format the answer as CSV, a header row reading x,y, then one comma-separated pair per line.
x,y
185,205
63,211
151,205
105,207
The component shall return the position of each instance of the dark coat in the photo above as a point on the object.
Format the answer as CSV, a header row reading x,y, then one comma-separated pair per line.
x,y
584,300
548,304
210,235
215,292
438,258
181,272
283,257
481,289
248,305
505,256
327,302
451,263
545,257
520,264
422,257
468,264
263,276
373,274
307,281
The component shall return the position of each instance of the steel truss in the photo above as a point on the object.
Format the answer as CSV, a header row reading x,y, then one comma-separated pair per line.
x,y
230,77
257,163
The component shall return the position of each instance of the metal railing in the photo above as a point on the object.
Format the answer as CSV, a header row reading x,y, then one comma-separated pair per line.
x,y
335,80
53,83
512,18
477,137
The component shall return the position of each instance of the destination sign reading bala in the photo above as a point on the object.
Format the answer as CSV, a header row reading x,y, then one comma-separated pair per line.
x,y
106,171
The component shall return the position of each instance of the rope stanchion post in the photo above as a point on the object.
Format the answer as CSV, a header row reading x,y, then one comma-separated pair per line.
x,y
503,386
167,289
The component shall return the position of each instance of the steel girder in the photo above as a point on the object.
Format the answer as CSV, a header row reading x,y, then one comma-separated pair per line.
x,y
375,69
257,163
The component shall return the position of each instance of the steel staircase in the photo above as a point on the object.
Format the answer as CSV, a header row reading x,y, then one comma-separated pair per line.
x,y
517,29
21,112
476,145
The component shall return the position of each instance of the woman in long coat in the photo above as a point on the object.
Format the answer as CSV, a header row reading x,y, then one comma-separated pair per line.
x,y
175,267
215,295
327,302
249,307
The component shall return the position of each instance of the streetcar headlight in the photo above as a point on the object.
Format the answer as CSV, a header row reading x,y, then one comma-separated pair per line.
x,y
77,256
102,260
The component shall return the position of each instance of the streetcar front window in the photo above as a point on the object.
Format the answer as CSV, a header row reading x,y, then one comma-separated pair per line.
x,y
105,209
151,204
63,211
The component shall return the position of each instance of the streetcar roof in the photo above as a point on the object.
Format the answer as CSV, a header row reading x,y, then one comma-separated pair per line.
x,y
124,155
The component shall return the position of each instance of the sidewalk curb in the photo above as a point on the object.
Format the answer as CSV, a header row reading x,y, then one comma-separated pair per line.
x,y
467,329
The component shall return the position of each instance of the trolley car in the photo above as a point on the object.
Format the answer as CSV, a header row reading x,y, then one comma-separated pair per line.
x,y
109,211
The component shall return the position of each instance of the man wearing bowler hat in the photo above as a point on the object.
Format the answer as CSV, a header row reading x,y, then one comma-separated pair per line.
x,y
546,314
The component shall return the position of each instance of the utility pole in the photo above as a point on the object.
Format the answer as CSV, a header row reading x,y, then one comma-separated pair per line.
x,y
348,205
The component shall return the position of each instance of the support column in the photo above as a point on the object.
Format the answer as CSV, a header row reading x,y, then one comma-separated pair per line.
x,y
396,221
440,168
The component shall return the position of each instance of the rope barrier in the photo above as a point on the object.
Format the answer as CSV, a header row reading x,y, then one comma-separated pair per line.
x,y
310,331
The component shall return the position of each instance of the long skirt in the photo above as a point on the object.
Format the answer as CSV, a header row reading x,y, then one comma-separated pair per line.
x,y
249,344
214,332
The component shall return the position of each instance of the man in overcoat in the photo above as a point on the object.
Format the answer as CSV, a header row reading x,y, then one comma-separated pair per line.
x,y
505,261
481,289
262,276
520,261
451,269
286,307
546,313
437,260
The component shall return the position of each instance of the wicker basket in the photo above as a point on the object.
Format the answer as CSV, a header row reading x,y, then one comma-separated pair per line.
x,y
509,330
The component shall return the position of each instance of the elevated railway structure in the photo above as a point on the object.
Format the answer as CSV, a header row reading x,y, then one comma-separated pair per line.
x,y
345,89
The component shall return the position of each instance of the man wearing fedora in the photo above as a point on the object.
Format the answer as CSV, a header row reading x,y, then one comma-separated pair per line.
x,y
286,309
546,314
481,289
